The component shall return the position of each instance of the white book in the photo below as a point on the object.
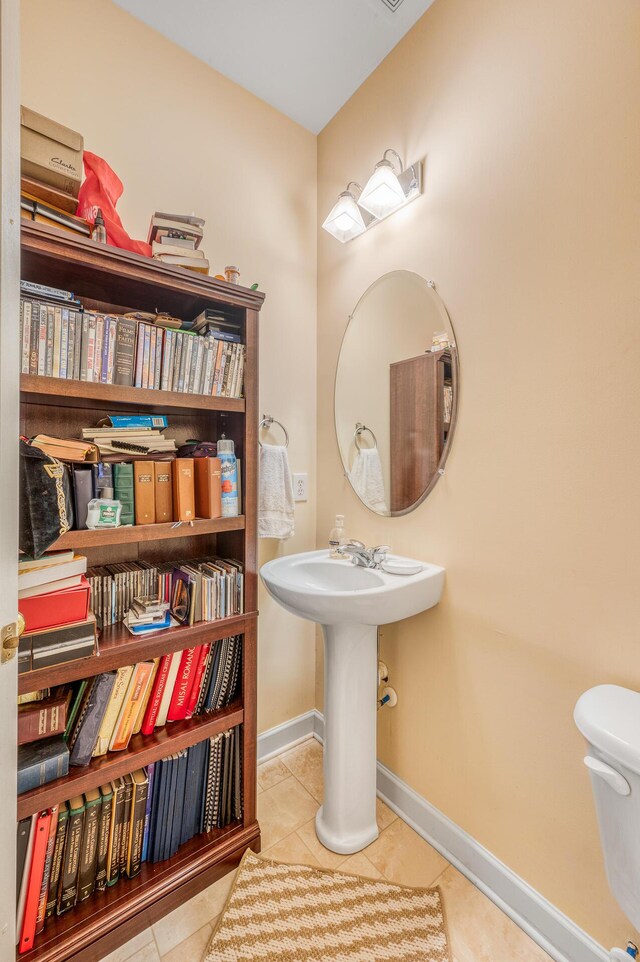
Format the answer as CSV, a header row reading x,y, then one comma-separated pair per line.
x,y
45,574
26,335
42,340
60,585
48,558
112,349
172,674
64,342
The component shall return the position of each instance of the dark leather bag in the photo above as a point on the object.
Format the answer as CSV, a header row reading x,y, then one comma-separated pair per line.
x,y
197,449
46,506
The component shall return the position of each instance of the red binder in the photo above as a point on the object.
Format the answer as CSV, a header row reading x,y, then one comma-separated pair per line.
x,y
56,607
36,872
182,687
197,679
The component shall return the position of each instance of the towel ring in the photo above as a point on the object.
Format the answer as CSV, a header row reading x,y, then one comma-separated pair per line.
x,y
360,428
267,422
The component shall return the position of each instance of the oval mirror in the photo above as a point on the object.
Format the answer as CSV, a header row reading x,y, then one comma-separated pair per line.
x,y
396,393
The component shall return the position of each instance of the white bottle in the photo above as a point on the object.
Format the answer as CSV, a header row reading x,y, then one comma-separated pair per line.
x,y
337,537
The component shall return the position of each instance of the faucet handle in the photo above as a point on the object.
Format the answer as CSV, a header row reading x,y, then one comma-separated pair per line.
x,y
379,553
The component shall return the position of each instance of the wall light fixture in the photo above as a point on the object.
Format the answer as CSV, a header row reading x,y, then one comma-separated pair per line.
x,y
386,191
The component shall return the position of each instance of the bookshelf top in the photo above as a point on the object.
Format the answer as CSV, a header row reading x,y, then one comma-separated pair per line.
x,y
104,273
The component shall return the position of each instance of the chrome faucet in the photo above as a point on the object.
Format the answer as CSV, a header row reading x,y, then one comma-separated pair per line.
x,y
362,556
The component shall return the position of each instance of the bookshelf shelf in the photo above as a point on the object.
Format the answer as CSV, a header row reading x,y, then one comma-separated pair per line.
x,y
38,389
119,647
151,894
106,279
138,533
142,750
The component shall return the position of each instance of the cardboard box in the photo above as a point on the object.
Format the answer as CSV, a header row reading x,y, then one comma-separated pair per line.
x,y
50,152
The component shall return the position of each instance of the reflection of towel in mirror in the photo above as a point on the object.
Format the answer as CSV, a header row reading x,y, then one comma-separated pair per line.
x,y
366,478
275,502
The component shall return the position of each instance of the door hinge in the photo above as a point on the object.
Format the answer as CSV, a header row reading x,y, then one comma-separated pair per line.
x,y
10,636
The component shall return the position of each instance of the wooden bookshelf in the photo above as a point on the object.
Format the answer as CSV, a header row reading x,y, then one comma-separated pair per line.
x,y
107,279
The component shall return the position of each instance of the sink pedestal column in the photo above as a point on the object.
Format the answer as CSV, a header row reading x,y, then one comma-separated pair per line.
x,y
346,823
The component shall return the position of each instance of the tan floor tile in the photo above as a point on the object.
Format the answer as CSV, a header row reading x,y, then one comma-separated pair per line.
x,y
403,857
272,772
192,949
325,858
148,953
184,921
359,864
283,809
293,850
305,762
478,930
384,815
124,953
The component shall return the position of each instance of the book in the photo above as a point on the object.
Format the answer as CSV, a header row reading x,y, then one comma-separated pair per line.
x,y
49,558
43,719
157,691
147,814
56,861
183,489
41,762
42,290
164,246
175,226
140,789
201,265
198,673
60,585
123,489
51,572
182,688
134,698
53,646
21,890
114,707
22,844
208,487
36,873
115,832
104,834
71,856
172,673
55,608
163,491
144,492
92,711
159,421
89,844
126,823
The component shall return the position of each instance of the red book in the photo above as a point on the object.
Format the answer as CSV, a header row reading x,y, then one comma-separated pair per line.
x,y
44,888
198,672
182,687
36,872
55,608
153,705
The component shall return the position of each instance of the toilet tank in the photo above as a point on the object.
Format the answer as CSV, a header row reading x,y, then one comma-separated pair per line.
x,y
609,718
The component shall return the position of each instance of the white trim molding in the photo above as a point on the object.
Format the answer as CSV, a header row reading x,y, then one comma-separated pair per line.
x,y
553,931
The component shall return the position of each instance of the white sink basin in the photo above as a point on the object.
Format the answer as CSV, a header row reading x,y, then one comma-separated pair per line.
x,y
314,586
349,602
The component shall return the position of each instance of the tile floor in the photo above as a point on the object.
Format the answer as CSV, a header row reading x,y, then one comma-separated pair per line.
x,y
289,792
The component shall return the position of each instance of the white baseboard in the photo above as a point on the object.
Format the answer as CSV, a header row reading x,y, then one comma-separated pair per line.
x,y
553,931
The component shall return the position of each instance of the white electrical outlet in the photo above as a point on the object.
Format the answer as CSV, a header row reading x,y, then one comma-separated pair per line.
x,y
299,487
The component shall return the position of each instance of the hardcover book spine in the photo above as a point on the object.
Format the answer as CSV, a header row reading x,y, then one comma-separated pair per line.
x,y
153,337
197,679
131,707
71,857
153,705
97,356
56,862
166,360
43,770
91,348
177,360
139,355
158,367
144,492
57,339
104,833
71,346
33,338
36,871
40,720
115,832
182,690
146,356
84,348
126,824
138,814
118,694
147,814
89,726
104,357
78,347
111,357
123,482
89,847
48,860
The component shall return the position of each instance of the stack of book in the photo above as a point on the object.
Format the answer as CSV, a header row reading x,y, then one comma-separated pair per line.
x,y
53,598
60,339
75,723
148,614
175,239
87,844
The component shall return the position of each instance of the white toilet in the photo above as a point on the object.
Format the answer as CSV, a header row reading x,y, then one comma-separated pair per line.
x,y
609,718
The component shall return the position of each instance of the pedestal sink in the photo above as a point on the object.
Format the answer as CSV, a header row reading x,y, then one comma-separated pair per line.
x,y
349,602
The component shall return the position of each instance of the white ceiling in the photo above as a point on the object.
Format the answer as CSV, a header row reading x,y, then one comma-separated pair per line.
x,y
305,57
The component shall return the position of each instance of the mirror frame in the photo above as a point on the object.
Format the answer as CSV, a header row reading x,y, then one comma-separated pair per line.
x,y
455,373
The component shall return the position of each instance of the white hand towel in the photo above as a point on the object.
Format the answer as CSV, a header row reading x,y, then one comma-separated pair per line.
x,y
275,501
366,478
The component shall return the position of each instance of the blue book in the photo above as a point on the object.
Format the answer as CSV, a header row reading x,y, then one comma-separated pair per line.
x,y
42,762
156,626
147,815
178,803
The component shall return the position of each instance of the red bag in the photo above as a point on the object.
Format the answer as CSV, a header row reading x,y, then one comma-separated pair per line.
x,y
102,189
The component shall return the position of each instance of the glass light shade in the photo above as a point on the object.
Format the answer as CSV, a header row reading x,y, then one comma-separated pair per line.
x,y
345,219
382,193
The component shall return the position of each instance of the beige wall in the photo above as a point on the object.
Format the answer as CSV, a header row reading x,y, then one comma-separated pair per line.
x,y
183,138
527,114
